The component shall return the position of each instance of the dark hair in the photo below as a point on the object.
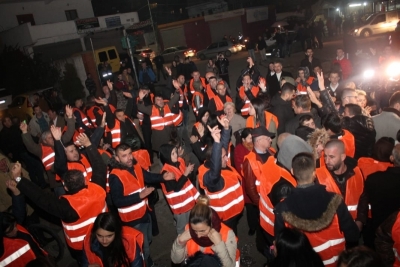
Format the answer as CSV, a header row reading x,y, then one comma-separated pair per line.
x,y
259,107
304,118
332,122
245,132
353,109
52,109
165,152
117,253
398,136
303,101
74,180
200,259
287,88
303,165
294,250
119,110
383,149
360,257
317,66
35,106
7,220
90,98
394,99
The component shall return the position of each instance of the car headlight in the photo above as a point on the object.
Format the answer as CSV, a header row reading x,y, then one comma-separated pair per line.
x,y
369,74
356,30
393,69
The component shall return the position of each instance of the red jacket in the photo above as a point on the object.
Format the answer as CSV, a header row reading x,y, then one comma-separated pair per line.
x,y
345,65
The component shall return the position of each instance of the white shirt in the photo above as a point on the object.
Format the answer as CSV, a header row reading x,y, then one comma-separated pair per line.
x,y
334,87
272,73
278,75
55,121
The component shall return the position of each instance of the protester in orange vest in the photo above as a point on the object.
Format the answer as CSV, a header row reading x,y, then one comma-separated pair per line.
x,y
108,243
387,241
82,121
93,112
327,223
196,83
83,202
304,80
129,193
221,183
211,89
247,92
205,232
180,193
184,102
45,149
216,104
341,175
162,119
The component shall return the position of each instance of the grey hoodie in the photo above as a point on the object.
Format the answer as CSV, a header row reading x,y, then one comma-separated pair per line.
x,y
290,147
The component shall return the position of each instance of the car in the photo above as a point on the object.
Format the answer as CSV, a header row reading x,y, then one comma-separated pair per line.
x,y
377,23
170,53
225,47
273,51
144,52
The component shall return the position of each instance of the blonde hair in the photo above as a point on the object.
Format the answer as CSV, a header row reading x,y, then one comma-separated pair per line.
x,y
229,104
351,85
361,92
319,136
201,212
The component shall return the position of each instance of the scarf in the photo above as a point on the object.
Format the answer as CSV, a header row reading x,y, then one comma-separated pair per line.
x,y
205,241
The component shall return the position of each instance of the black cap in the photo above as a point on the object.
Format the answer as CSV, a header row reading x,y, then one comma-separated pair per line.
x,y
261,131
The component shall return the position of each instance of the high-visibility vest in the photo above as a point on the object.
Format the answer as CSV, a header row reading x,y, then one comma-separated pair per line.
x,y
254,91
354,187
256,166
396,240
218,102
303,89
250,122
131,185
102,151
192,247
328,243
264,184
140,113
183,96
18,252
82,165
116,132
195,109
184,200
157,122
87,203
229,201
143,158
210,92
191,87
91,116
130,237
349,143
48,157
84,118
369,166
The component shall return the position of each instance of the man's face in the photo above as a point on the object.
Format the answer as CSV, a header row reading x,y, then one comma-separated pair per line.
x,y
301,74
229,110
120,77
125,71
196,75
246,81
350,99
129,70
78,103
271,67
264,142
7,122
106,90
333,159
278,67
49,141
38,111
213,83
120,115
310,123
309,52
339,53
159,101
317,70
125,157
3,165
72,153
221,90
334,78
181,79
52,114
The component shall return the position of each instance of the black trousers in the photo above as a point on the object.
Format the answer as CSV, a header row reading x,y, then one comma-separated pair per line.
x,y
233,222
253,216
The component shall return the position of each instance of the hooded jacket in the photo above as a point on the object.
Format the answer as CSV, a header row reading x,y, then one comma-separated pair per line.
x,y
282,110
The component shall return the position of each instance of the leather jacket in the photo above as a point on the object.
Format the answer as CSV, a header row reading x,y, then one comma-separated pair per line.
x,y
327,104
384,241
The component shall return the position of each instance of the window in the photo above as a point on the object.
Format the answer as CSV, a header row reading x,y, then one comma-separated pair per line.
x,y
103,56
170,50
222,44
112,22
18,101
71,14
212,46
379,19
392,16
112,54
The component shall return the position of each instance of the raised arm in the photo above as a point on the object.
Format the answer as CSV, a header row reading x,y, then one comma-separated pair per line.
x,y
32,147
67,136
60,161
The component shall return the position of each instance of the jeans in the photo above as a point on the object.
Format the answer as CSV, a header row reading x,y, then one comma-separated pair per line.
x,y
185,113
181,221
146,230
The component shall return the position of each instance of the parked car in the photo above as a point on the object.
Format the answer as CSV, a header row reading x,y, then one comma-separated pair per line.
x,y
378,23
273,51
181,51
224,47
109,54
140,54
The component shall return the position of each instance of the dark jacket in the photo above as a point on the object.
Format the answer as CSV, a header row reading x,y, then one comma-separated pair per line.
x,y
384,241
362,127
293,124
310,65
222,65
282,110
301,211
254,73
159,61
327,104
274,85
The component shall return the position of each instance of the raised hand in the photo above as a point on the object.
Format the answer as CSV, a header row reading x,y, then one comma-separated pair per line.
x,y
224,122
24,127
83,139
103,120
169,176
176,84
215,236
127,94
56,132
189,169
69,111
142,94
145,192
215,133
321,82
262,83
194,139
168,70
12,185
101,101
250,61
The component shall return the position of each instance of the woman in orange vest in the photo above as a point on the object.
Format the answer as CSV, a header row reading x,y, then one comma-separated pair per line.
x,y
200,137
180,193
207,234
108,243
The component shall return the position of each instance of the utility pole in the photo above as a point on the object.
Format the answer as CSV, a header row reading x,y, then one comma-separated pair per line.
x,y
154,30
128,43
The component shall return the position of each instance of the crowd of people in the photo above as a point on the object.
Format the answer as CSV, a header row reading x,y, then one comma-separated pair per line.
x,y
313,163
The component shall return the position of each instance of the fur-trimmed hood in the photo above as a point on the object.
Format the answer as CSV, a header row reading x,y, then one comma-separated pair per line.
x,y
314,225
319,136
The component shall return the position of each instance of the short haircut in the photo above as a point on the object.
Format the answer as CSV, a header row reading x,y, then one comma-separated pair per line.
x,y
394,99
383,149
278,62
305,118
353,109
229,104
348,91
336,143
359,256
396,155
332,122
303,101
317,66
334,72
118,110
288,88
44,135
121,147
303,165
74,180
35,106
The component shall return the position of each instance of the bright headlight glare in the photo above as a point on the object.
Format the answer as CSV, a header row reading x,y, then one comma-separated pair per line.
x,y
393,69
369,73
356,30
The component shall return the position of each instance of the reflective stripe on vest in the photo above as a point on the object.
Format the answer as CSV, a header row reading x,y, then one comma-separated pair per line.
x,y
116,132
254,91
158,122
83,117
48,157
250,122
15,255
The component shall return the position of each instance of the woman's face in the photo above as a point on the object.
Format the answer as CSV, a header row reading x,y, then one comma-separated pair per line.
x,y
362,101
201,229
104,237
205,117
174,155
247,140
252,110
210,62
229,111
319,149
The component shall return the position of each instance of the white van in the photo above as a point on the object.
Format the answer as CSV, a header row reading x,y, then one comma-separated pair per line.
x,y
378,23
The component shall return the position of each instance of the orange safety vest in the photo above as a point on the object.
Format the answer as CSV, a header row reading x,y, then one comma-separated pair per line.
x,y
157,122
85,119
396,239
82,165
218,102
210,92
195,109
143,158
18,252
132,185
354,187
91,116
140,113
303,89
349,143
229,201
184,200
328,243
116,132
250,122
88,203
183,95
264,184
48,157
369,166
192,247
130,236
254,91
203,83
